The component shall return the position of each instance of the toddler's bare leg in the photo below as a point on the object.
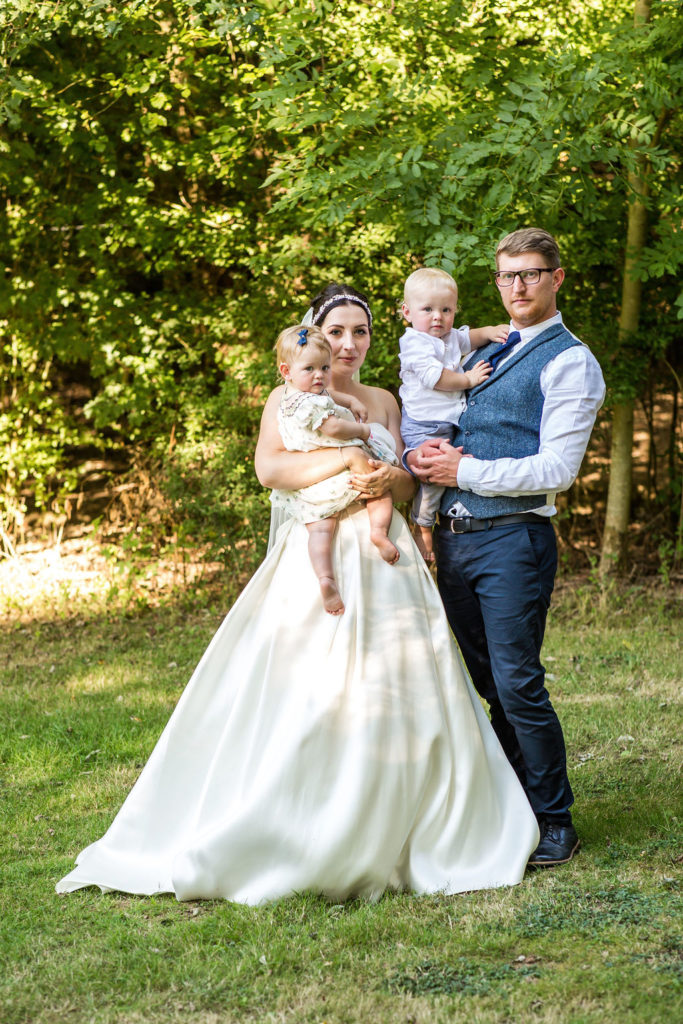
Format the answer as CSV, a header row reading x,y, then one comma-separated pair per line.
x,y
380,511
320,536
424,541
425,507
355,459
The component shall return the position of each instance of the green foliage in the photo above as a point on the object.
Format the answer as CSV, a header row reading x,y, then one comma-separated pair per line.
x,y
462,125
178,176
124,230
209,481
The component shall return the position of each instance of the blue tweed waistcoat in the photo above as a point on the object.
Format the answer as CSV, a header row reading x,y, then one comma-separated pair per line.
x,y
503,418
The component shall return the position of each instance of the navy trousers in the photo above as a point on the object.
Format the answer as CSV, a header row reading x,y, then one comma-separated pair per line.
x,y
496,586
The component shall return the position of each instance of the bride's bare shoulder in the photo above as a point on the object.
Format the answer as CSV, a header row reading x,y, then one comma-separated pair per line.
x,y
380,398
273,399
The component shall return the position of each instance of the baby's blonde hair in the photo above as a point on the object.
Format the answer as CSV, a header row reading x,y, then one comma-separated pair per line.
x,y
289,345
426,277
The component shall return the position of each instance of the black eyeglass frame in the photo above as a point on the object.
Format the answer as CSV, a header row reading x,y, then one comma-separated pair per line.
x,y
518,273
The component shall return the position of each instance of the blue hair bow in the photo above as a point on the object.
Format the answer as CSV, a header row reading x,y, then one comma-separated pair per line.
x,y
302,336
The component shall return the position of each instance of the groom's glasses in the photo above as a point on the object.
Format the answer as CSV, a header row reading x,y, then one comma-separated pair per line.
x,y
532,275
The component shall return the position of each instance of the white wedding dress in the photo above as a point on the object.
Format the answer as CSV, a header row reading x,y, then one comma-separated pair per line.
x,y
340,755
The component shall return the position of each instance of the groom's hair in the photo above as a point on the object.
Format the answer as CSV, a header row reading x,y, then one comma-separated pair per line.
x,y
294,341
530,240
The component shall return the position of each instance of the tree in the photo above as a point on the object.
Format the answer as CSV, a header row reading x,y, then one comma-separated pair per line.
x,y
457,143
651,109
122,231
178,178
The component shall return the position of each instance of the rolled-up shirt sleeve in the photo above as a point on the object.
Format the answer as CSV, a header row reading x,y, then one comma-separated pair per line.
x,y
573,389
422,361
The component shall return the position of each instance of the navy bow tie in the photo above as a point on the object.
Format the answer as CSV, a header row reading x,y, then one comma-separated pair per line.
x,y
504,350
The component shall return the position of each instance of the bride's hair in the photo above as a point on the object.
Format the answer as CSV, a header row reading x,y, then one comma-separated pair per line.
x,y
335,294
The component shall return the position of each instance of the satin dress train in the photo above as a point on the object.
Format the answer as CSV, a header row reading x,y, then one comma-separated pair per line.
x,y
341,755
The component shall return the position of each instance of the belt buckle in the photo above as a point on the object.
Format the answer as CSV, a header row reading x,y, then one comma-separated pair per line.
x,y
465,522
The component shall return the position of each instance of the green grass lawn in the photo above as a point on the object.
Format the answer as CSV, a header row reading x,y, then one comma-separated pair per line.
x,y
83,702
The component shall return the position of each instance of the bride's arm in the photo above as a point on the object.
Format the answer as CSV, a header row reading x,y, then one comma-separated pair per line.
x,y
278,468
384,477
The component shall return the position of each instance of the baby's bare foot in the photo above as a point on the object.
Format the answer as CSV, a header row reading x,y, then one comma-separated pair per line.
x,y
387,550
423,539
332,601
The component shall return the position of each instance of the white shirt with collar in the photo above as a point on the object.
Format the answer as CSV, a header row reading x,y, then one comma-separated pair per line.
x,y
423,360
573,390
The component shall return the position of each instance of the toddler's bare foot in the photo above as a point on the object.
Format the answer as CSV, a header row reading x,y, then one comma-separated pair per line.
x,y
387,550
423,539
332,601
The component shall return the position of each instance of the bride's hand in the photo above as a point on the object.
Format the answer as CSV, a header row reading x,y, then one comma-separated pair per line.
x,y
371,485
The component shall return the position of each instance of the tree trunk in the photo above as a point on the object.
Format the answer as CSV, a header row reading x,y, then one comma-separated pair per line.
x,y
619,494
618,513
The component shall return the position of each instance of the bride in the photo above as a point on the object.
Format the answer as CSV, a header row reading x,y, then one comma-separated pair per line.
x,y
341,755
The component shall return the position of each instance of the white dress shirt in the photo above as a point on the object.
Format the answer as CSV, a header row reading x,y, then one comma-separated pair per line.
x,y
423,360
573,390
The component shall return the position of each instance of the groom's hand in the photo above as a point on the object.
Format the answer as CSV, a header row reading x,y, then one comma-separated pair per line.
x,y
436,462
419,459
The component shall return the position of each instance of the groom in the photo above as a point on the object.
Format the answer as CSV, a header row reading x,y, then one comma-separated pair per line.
x,y
520,441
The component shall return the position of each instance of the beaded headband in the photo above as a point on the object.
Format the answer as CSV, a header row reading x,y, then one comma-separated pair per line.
x,y
336,300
